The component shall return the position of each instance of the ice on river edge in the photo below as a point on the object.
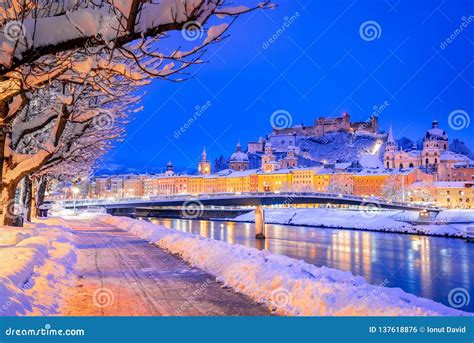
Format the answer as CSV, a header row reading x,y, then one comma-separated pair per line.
x,y
450,223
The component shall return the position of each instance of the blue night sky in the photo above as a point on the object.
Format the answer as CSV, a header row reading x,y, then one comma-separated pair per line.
x,y
320,66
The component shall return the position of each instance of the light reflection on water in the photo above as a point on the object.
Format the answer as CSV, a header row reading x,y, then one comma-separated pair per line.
x,y
425,266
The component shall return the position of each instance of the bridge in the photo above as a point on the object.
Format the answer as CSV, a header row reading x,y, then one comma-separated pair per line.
x,y
242,202
245,200
189,205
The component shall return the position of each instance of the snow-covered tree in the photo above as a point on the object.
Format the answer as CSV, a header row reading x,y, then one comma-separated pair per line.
x,y
423,192
74,118
341,184
44,40
89,44
75,160
393,188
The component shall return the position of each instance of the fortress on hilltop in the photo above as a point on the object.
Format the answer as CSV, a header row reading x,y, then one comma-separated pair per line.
x,y
324,125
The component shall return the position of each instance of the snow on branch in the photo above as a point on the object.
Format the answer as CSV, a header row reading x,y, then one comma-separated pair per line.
x,y
78,122
26,33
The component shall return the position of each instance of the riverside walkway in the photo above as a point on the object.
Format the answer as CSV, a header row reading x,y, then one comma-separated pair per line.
x,y
118,274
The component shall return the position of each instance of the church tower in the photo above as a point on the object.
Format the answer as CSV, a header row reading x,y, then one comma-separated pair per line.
x,y
268,159
204,167
390,150
434,144
169,169
290,161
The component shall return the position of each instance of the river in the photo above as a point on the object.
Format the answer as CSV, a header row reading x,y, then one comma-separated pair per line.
x,y
426,266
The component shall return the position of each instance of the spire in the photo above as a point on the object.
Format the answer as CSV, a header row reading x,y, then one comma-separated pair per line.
x,y
238,147
390,139
203,154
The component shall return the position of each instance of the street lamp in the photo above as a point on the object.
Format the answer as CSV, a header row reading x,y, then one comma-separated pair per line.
x,y
75,191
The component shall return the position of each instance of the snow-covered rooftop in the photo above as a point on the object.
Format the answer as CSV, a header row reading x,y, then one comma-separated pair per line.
x,y
452,156
446,184
381,171
370,161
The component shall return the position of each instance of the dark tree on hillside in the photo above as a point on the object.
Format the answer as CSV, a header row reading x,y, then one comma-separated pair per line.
x,y
459,147
220,163
419,143
405,143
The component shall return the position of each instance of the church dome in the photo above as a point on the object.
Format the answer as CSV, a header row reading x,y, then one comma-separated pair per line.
x,y
435,133
239,155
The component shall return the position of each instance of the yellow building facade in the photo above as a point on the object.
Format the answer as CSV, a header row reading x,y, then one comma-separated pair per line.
x,y
448,194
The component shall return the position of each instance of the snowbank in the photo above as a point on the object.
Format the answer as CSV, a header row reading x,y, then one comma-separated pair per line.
x,y
456,216
289,286
34,268
385,221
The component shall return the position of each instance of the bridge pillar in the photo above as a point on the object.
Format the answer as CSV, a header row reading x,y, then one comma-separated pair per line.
x,y
259,222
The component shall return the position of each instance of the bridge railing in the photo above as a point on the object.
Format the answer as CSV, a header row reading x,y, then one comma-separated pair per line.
x,y
330,196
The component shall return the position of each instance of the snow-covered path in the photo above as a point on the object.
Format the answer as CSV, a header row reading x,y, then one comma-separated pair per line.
x,y
120,274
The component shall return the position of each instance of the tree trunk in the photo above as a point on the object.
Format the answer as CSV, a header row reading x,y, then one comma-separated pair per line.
x,y
3,114
27,198
41,191
37,194
2,149
33,196
10,210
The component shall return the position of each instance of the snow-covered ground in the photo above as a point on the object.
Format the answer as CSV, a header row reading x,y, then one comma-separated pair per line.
x,y
377,220
290,286
35,264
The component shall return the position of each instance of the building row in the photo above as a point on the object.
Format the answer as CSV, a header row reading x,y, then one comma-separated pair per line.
x,y
397,185
432,174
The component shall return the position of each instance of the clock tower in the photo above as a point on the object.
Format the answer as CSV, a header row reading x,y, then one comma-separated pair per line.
x,y
204,167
